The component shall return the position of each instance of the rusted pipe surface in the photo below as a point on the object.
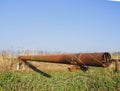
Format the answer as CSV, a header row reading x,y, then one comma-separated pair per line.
x,y
85,59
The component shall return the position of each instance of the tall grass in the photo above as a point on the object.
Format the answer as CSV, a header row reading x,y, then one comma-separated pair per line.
x,y
96,79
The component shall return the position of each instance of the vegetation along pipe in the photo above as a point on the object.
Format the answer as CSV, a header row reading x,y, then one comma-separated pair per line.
x,y
80,59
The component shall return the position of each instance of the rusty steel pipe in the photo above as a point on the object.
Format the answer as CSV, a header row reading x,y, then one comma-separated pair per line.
x,y
84,59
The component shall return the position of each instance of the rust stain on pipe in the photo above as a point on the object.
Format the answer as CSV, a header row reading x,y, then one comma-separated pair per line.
x,y
81,59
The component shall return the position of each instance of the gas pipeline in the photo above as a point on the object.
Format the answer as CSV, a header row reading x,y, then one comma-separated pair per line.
x,y
83,60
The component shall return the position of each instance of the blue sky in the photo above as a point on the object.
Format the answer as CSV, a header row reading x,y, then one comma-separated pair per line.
x,y
60,25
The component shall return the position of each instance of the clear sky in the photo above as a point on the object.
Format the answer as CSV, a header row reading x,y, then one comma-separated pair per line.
x,y
60,25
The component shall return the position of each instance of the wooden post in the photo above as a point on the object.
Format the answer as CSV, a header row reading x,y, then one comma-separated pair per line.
x,y
117,65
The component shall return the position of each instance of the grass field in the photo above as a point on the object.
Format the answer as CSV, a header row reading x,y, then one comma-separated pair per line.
x,y
95,79
55,77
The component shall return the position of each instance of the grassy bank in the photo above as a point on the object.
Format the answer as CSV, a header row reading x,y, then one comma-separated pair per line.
x,y
95,79
54,77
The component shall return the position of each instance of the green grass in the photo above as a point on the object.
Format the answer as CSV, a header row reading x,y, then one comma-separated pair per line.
x,y
96,79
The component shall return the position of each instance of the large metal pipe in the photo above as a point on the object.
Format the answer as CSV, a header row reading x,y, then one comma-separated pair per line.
x,y
81,59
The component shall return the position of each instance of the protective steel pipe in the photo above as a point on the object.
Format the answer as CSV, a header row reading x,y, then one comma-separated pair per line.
x,y
81,59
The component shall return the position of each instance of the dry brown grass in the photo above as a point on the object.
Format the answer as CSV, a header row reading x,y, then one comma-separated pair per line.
x,y
44,66
9,63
